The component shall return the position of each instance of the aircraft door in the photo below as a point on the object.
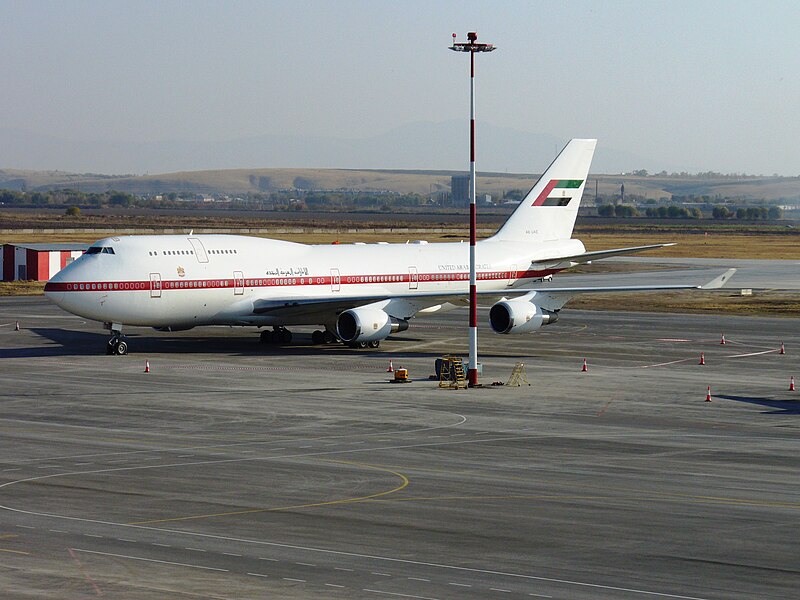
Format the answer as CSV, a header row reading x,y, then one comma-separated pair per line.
x,y
512,276
238,283
199,250
155,285
336,280
413,278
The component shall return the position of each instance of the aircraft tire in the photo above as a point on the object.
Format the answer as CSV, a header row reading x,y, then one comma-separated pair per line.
x,y
266,337
121,349
285,336
317,337
328,337
374,343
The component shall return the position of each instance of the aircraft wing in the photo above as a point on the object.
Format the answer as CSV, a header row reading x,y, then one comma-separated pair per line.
x,y
405,307
563,262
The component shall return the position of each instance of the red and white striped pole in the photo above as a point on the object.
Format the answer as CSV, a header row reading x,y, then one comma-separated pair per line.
x,y
472,46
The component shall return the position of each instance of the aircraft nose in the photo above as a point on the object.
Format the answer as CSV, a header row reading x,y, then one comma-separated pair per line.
x,y
54,289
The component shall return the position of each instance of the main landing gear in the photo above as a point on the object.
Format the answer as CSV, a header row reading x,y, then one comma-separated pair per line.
x,y
279,335
116,345
323,337
362,345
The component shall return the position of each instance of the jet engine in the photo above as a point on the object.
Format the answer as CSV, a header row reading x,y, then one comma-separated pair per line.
x,y
366,324
519,316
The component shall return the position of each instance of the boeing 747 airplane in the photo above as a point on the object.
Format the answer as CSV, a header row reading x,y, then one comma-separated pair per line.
x,y
358,294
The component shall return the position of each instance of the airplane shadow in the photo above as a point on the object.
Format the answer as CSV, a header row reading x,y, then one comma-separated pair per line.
x,y
64,342
782,407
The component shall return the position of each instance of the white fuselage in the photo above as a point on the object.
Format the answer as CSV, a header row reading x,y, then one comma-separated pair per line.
x,y
188,280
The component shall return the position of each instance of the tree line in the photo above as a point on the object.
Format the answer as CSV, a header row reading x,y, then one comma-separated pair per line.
x,y
674,211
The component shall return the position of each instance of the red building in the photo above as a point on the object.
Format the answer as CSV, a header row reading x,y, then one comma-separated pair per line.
x,y
37,262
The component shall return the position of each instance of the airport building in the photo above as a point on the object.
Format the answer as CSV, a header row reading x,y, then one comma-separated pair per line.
x,y
37,262
459,190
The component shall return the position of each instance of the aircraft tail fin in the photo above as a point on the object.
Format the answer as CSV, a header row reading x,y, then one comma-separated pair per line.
x,y
549,210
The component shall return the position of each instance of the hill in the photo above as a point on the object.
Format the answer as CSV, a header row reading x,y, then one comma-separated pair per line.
x,y
244,181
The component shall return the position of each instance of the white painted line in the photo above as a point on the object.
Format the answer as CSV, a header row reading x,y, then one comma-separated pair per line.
x,y
57,531
751,354
185,455
297,580
418,579
258,575
162,545
381,574
230,554
499,590
399,595
92,535
334,585
126,540
152,560
305,564
264,558
539,595
343,569
664,364
17,469
458,584
25,526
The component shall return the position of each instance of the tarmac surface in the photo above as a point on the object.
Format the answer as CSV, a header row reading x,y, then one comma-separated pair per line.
x,y
238,470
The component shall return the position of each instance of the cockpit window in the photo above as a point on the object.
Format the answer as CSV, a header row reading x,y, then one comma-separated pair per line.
x,y
100,250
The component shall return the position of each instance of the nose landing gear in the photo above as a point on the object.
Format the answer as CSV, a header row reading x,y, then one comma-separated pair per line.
x,y
116,345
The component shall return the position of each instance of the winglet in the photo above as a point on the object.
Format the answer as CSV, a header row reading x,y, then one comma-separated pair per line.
x,y
718,282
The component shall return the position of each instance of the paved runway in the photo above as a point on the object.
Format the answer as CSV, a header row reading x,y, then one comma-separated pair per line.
x,y
234,470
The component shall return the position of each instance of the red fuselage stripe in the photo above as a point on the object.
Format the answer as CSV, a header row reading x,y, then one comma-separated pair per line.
x,y
269,282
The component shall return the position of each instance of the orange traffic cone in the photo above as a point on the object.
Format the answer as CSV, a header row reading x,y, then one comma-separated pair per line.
x,y
791,384
702,358
147,366
783,350
722,341
708,394
585,367
391,368
16,326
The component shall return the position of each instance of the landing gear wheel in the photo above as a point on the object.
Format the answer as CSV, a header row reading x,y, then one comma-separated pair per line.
x,y
284,335
328,337
266,337
374,343
317,337
121,348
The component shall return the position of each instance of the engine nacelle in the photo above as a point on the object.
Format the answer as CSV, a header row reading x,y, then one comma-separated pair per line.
x,y
367,325
519,316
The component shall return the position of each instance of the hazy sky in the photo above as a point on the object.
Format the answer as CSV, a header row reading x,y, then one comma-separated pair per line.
x,y
708,85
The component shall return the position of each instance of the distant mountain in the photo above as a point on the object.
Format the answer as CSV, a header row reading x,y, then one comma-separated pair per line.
x,y
413,146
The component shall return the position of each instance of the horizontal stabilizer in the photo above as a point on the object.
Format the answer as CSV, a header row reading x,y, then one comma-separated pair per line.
x,y
564,262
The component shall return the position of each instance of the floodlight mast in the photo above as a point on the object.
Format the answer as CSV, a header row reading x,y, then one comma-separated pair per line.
x,y
472,46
